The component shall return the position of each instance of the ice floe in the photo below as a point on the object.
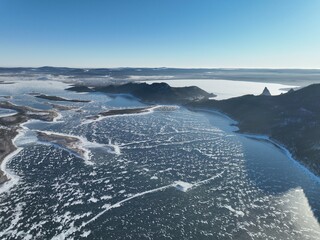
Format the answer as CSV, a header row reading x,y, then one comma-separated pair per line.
x,y
182,186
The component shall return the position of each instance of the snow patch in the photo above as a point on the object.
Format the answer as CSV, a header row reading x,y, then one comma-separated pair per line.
x,y
182,186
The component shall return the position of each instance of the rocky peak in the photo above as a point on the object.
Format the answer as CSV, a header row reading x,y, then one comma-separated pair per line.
x,y
266,92
291,90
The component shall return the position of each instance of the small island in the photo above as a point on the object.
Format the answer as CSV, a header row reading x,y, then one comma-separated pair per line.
x,y
6,82
115,112
70,143
124,111
60,99
62,107
130,111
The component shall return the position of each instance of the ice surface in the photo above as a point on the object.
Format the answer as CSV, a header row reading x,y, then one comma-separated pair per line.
x,y
235,186
286,152
182,186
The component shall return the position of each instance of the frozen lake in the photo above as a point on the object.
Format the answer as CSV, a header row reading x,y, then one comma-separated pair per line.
x,y
227,89
172,174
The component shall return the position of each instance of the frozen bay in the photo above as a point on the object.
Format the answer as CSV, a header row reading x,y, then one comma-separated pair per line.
x,y
231,186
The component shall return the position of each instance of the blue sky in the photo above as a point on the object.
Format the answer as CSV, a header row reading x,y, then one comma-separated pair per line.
x,y
164,33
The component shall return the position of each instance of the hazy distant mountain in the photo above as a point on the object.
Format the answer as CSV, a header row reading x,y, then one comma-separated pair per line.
x,y
300,77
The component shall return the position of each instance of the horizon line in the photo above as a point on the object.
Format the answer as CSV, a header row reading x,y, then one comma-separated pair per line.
x,y
186,68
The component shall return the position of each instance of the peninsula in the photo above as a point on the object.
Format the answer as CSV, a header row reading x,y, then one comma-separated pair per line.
x,y
10,126
130,111
61,99
154,93
70,143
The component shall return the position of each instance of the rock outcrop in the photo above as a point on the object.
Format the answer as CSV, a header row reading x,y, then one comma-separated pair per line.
x,y
266,92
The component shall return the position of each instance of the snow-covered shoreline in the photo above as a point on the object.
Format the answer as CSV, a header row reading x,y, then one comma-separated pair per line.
x,y
83,145
265,138
13,179
285,151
